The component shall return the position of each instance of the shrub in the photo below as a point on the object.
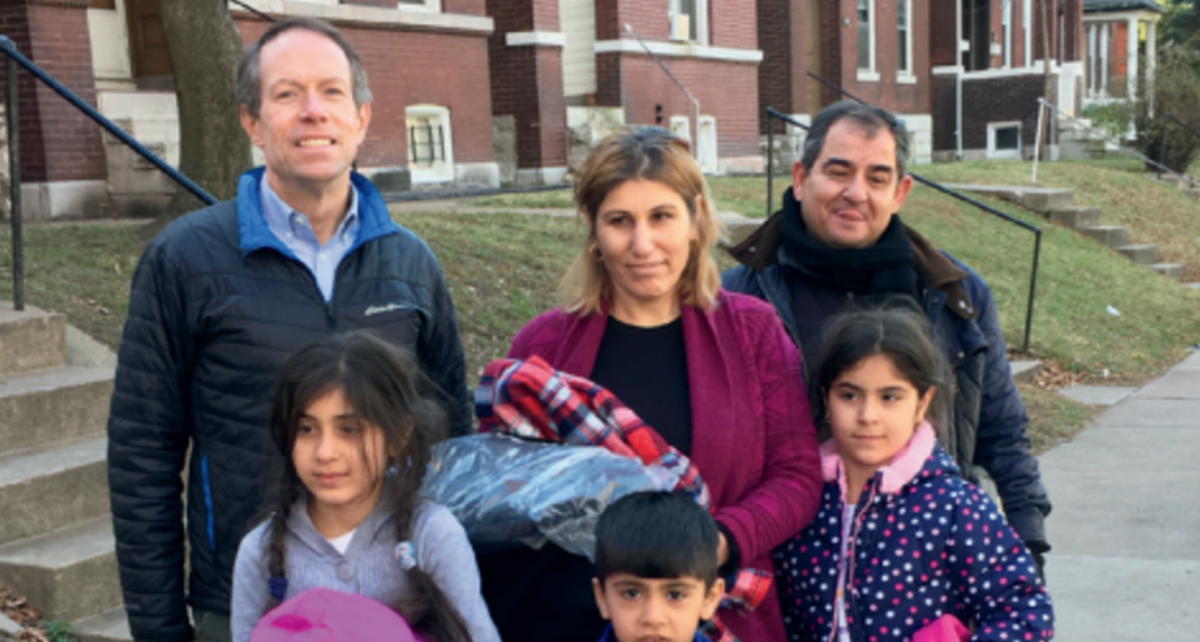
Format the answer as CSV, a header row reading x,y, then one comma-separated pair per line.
x,y
1176,91
1111,118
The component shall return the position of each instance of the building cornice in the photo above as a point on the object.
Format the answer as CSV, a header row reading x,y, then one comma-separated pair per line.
x,y
680,50
535,39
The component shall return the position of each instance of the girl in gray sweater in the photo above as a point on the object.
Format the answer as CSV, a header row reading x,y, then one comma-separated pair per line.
x,y
355,436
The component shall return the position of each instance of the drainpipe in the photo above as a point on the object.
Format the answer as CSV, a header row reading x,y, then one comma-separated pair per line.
x,y
958,89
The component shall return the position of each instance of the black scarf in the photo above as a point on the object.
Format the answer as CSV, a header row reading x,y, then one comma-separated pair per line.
x,y
886,267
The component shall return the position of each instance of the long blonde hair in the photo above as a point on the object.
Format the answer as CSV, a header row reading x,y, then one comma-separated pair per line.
x,y
646,153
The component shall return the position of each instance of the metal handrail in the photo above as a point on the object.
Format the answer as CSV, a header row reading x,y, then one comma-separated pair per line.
x,y
256,12
1037,231
1162,139
14,58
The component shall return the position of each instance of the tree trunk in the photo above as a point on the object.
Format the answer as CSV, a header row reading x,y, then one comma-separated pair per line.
x,y
204,44
1047,17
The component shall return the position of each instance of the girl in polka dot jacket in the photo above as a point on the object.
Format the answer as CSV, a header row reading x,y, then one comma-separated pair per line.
x,y
902,548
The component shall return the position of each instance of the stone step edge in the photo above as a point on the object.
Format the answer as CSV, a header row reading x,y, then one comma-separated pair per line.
x,y
110,626
64,547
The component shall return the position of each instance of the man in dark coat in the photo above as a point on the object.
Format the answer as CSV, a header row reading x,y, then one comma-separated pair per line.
x,y
224,295
839,237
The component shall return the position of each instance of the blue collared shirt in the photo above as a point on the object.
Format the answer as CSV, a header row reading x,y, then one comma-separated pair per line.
x,y
293,230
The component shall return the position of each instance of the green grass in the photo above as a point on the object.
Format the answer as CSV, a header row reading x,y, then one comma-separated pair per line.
x,y
502,270
1053,418
1155,213
81,270
547,199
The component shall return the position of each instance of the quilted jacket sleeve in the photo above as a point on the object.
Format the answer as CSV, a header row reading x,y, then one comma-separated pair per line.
x,y
997,582
1002,445
148,437
790,491
442,355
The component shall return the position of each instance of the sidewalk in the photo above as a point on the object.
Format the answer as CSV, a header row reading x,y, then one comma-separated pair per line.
x,y
1126,522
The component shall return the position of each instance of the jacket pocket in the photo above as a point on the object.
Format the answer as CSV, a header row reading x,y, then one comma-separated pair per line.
x,y
209,528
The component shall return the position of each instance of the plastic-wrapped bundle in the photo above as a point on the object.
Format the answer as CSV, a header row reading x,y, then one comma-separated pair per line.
x,y
507,491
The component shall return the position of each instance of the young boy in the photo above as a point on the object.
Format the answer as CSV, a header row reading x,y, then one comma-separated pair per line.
x,y
656,567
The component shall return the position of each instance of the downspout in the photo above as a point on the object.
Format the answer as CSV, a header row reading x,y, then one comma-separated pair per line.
x,y
958,74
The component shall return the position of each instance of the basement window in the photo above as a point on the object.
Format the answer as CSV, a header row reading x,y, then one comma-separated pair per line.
x,y
430,146
1004,140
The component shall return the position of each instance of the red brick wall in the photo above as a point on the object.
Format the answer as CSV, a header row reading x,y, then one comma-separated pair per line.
x,y
990,100
416,67
473,7
58,143
527,82
728,91
886,92
783,47
942,32
733,23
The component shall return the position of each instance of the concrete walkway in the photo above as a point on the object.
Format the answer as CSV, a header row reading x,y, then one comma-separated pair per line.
x,y
1126,522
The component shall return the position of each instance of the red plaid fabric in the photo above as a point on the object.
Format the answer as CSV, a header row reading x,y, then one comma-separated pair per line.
x,y
530,399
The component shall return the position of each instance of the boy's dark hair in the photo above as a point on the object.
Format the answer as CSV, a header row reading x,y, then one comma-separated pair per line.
x,y
892,325
659,536
383,384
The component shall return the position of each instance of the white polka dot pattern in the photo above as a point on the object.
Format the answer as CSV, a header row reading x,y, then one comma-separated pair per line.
x,y
937,546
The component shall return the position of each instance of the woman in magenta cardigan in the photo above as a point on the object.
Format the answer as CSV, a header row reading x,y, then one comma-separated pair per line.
x,y
713,372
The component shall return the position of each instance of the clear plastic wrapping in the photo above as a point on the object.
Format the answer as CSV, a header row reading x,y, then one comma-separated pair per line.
x,y
507,491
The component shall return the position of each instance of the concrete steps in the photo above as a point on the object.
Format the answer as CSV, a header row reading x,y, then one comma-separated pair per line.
x,y
110,626
47,488
1057,206
1142,254
70,573
56,543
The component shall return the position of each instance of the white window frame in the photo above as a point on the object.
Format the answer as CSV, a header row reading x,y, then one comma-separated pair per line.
x,y
906,76
870,73
701,19
992,152
441,171
432,6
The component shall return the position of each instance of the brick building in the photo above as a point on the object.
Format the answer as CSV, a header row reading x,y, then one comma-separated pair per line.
x,y
427,61
875,50
1120,46
985,89
566,72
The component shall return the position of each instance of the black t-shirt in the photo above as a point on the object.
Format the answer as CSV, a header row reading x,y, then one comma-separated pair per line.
x,y
546,595
646,368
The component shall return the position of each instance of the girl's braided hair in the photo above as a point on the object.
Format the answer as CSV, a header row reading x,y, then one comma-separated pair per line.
x,y
383,384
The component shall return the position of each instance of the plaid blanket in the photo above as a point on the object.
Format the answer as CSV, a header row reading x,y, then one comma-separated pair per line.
x,y
532,400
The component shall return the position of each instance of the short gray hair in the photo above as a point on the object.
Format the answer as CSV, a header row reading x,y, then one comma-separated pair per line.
x,y
249,76
870,118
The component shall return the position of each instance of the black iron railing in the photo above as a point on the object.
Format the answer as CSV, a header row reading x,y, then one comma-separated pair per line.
x,y
12,114
1162,138
774,114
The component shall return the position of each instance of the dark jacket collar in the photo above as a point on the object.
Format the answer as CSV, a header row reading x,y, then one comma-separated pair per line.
x,y
760,250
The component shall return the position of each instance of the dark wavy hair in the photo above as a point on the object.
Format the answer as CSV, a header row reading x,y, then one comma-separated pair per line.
x,y
893,326
380,381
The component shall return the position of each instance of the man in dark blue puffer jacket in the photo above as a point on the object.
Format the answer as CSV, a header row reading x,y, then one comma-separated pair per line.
x,y
838,237
223,295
